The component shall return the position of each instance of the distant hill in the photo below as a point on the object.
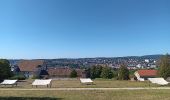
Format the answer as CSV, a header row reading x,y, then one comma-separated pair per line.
x,y
85,62
151,56
158,56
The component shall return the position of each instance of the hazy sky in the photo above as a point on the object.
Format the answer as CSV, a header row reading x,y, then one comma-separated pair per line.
x,y
83,28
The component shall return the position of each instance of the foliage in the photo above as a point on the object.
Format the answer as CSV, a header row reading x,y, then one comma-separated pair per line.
x,y
18,77
164,69
115,74
107,73
132,71
5,70
36,77
123,73
94,72
73,74
100,72
88,72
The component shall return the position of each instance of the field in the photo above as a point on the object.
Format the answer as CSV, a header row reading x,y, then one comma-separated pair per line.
x,y
93,95
144,94
98,83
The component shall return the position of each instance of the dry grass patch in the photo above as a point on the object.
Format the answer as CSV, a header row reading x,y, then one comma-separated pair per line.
x,y
98,83
93,95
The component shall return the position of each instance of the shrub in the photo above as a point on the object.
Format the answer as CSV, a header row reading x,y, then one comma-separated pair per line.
x,y
5,71
123,73
35,77
164,69
18,77
73,74
107,73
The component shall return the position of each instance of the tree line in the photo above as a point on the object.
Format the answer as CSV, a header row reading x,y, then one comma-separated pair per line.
x,y
123,73
98,71
104,72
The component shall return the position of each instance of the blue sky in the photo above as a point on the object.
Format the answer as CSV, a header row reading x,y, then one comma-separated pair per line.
x,y
32,29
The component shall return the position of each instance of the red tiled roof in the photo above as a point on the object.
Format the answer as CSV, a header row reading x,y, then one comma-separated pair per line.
x,y
147,72
29,65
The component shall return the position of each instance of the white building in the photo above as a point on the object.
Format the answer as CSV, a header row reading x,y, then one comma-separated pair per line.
x,y
139,66
147,60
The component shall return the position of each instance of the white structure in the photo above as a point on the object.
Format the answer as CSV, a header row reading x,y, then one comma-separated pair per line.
x,y
153,66
138,77
86,80
159,81
139,66
154,61
42,82
9,82
147,60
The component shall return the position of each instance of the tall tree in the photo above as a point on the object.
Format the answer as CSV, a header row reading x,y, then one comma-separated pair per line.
x,y
5,70
164,69
88,73
94,72
107,73
73,74
123,73
98,71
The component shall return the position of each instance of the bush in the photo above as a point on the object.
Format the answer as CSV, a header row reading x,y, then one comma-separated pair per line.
x,y
35,77
5,71
123,73
73,74
164,69
94,72
18,77
107,73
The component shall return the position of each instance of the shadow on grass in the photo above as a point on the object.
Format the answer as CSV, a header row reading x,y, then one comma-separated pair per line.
x,y
29,98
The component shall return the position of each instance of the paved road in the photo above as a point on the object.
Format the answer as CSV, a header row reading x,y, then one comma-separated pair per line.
x,y
78,89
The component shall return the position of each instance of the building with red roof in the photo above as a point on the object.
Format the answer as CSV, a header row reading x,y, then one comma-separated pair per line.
x,y
142,75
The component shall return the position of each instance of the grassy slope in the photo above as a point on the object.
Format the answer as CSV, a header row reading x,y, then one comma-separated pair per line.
x,y
99,83
94,95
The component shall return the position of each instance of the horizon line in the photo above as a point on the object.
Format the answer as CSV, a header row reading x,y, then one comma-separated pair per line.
x,y
77,57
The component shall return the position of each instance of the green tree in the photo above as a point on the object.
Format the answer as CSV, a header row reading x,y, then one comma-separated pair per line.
x,y
164,69
123,73
88,73
98,71
5,70
73,74
95,72
106,73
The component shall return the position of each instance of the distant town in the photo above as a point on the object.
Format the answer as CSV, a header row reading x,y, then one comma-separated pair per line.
x,y
64,67
132,62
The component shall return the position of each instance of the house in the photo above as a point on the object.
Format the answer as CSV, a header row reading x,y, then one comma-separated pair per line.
x,y
31,67
142,75
64,72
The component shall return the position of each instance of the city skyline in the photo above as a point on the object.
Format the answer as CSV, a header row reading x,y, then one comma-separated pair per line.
x,y
41,29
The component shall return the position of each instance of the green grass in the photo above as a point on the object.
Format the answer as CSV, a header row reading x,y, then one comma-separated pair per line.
x,y
28,98
92,95
86,94
98,83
